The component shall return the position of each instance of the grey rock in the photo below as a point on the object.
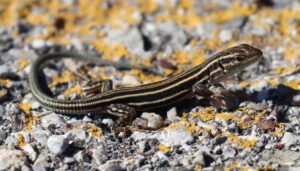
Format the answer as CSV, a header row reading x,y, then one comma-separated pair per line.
x,y
225,35
42,163
154,121
176,136
289,139
282,157
30,151
81,157
172,114
5,70
52,119
131,38
198,158
113,165
11,159
99,155
77,134
228,152
41,136
57,144
2,135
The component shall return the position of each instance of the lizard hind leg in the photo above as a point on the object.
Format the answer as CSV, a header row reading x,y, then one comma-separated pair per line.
x,y
96,87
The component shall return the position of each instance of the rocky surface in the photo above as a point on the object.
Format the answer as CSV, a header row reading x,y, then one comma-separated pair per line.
x,y
170,36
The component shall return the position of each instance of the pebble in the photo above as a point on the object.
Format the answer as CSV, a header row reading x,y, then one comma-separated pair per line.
x,y
225,35
154,121
130,80
77,134
2,135
228,152
108,122
81,157
5,70
11,159
113,165
99,155
37,44
41,136
172,114
57,144
29,150
175,136
198,158
290,139
52,119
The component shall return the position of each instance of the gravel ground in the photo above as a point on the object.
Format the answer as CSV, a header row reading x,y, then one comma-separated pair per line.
x,y
263,133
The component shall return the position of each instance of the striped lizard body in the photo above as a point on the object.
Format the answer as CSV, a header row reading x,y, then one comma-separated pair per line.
x,y
125,100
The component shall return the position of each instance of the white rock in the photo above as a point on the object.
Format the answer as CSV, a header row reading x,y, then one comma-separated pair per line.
x,y
130,80
112,165
199,158
225,35
30,152
175,136
172,114
41,136
98,155
38,43
52,119
228,152
57,144
138,136
2,135
154,121
290,139
11,159
108,122
81,156
77,133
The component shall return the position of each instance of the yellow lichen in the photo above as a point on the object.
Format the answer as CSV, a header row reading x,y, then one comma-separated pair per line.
x,y
240,141
5,83
65,77
115,51
75,89
22,63
29,119
21,144
95,131
292,84
279,130
163,148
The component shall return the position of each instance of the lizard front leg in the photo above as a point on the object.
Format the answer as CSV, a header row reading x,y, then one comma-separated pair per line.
x,y
97,87
218,97
124,113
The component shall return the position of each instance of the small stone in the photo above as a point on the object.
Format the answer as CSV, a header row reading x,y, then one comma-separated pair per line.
x,y
266,124
99,155
130,80
175,136
52,119
289,139
11,159
225,35
142,146
108,122
69,160
28,149
199,158
37,44
5,70
87,119
138,136
228,152
172,114
77,134
2,135
41,136
57,144
112,165
220,140
81,157
154,121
